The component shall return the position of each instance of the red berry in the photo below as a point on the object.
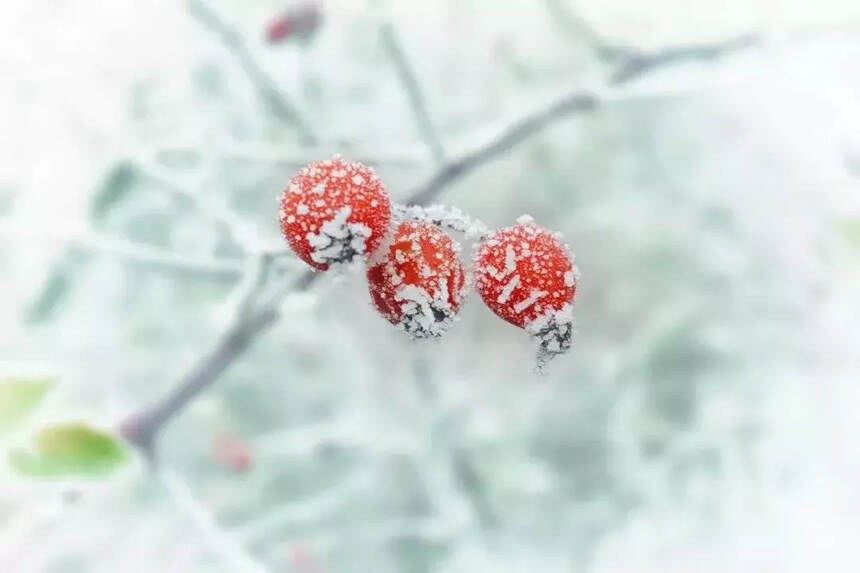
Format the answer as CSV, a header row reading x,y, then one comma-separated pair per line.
x,y
528,277
334,210
417,281
300,21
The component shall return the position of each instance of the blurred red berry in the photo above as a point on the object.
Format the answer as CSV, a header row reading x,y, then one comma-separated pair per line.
x,y
417,281
528,277
333,211
300,21
233,453
301,559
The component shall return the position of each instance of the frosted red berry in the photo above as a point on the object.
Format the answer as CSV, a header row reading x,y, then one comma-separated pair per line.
x,y
333,211
528,277
417,281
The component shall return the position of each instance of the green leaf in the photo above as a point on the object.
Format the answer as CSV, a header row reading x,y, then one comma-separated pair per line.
x,y
70,450
19,397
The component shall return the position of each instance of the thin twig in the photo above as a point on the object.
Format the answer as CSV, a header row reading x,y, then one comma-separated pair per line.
x,y
125,250
509,137
395,52
640,64
579,28
406,156
142,429
217,540
236,229
265,85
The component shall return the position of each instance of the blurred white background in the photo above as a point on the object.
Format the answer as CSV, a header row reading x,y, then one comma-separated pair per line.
x,y
705,420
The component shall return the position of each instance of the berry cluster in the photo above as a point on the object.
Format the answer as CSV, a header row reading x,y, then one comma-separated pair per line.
x,y
337,211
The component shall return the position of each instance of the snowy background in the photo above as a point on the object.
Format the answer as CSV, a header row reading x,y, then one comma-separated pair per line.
x,y
705,420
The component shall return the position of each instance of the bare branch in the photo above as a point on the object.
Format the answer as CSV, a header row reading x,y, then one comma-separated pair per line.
x,y
395,52
640,64
142,429
578,27
265,85
505,140
368,153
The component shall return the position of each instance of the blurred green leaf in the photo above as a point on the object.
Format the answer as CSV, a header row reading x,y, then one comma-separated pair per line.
x,y
116,185
70,450
55,290
18,397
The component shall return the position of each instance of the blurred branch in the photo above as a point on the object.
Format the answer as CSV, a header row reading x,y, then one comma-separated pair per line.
x,y
142,428
642,63
506,139
235,228
400,156
392,47
577,27
127,251
265,85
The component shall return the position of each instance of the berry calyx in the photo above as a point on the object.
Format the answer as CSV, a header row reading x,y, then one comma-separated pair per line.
x,y
528,277
333,211
417,281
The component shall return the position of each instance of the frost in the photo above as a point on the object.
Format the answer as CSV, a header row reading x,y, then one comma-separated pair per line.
x,y
443,216
319,188
553,333
569,278
525,219
302,209
510,265
338,240
535,296
509,288
423,316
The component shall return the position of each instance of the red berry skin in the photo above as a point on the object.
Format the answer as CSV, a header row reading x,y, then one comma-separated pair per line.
x,y
523,272
417,281
333,211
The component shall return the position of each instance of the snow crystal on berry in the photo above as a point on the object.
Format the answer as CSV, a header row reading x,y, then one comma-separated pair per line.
x,y
553,333
416,281
443,216
333,211
338,240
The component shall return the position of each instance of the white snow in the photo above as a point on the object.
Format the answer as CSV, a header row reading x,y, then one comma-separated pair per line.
x,y
525,219
534,296
338,240
510,265
553,333
443,216
508,289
